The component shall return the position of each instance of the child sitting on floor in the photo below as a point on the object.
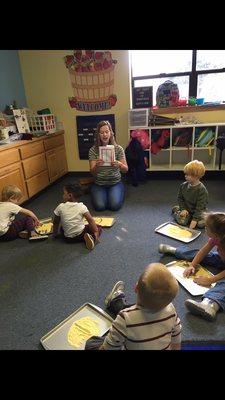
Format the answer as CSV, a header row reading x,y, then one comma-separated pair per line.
x,y
9,227
192,197
150,324
214,298
70,214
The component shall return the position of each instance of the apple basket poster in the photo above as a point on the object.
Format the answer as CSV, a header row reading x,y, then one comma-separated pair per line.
x,y
92,79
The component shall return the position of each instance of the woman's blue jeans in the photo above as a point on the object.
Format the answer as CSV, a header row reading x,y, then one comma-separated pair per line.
x,y
217,293
109,197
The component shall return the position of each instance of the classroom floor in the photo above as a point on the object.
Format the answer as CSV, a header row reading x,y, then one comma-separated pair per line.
x,y
42,283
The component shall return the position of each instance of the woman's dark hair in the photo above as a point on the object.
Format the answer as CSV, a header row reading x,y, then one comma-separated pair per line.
x,y
74,189
97,137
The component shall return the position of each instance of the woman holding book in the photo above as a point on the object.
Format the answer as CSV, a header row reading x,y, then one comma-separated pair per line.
x,y
107,191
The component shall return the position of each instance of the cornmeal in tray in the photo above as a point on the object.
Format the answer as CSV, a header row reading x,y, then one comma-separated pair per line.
x,y
199,270
45,228
177,231
81,330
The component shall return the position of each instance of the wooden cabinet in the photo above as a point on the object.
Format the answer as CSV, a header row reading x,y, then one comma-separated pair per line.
x,y
13,175
52,162
57,163
33,165
53,142
62,161
9,156
37,183
31,149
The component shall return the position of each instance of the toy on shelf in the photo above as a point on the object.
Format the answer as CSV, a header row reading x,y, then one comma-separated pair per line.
x,y
29,122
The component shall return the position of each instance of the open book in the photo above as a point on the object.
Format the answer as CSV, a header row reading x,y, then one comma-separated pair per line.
x,y
107,154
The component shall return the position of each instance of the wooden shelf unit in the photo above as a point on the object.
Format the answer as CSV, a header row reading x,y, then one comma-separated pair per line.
x,y
33,165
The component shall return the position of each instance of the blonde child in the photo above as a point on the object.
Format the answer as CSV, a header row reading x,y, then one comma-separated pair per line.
x,y
70,215
214,298
192,197
9,227
150,324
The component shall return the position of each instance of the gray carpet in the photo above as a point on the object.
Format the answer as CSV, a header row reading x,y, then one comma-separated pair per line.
x,y
42,283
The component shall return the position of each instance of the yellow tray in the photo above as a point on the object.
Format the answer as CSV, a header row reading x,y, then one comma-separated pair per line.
x,y
46,227
105,222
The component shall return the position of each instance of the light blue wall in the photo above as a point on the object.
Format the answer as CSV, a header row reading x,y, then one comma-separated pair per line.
x,y
11,81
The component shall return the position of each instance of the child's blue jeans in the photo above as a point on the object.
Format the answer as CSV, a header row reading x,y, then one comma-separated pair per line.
x,y
109,197
217,293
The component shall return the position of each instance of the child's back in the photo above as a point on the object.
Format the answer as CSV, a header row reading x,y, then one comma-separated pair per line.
x,y
150,324
71,215
143,329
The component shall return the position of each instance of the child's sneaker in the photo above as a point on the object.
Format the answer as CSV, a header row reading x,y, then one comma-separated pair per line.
x,y
117,290
24,234
89,241
175,209
206,309
166,248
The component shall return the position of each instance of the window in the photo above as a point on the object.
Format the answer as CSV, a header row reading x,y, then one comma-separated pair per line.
x,y
198,73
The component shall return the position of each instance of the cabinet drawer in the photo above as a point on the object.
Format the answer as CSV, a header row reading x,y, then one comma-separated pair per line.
x,y
8,157
34,165
53,142
10,168
31,149
37,183
13,175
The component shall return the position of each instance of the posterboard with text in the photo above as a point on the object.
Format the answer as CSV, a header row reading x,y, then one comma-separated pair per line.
x,y
86,129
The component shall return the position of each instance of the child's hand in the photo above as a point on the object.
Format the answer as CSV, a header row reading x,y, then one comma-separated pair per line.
x,y
96,235
36,221
193,224
189,271
184,213
203,281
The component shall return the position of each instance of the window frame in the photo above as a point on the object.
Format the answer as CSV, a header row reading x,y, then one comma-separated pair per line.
x,y
193,75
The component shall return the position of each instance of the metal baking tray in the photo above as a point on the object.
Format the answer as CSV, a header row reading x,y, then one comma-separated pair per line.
x,y
177,269
56,339
164,230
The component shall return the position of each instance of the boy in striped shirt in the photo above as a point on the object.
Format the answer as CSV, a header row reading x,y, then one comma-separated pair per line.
x,y
150,324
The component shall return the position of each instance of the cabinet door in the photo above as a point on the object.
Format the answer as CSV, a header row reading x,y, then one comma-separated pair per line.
x,y
37,183
34,165
52,163
62,162
13,175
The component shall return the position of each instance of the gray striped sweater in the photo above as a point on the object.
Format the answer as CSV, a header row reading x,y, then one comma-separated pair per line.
x,y
136,328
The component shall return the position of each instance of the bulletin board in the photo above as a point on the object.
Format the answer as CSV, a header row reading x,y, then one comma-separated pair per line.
x,y
86,128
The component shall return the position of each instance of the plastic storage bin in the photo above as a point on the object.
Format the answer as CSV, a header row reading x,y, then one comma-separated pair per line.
x,y
39,123
200,101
